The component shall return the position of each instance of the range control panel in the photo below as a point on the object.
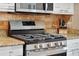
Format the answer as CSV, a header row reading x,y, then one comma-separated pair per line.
x,y
20,25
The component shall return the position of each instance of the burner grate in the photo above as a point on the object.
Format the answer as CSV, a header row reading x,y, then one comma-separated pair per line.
x,y
39,38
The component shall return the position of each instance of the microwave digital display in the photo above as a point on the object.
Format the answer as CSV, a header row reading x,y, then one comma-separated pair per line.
x,y
28,23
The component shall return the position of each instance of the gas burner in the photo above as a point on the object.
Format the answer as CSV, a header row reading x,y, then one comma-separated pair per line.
x,y
38,37
30,36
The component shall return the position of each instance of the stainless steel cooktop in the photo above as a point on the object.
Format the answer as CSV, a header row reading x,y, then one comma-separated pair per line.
x,y
39,38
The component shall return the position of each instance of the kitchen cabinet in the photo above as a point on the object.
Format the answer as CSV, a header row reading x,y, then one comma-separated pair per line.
x,y
4,51
40,7
30,7
16,50
7,7
11,50
26,7
73,47
49,7
63,8
34,7
55,8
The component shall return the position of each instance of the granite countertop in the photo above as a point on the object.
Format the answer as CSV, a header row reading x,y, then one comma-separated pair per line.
x,y
69,36
8,41
72,36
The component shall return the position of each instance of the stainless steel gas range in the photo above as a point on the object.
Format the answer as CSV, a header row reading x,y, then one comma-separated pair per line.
x,y
38,42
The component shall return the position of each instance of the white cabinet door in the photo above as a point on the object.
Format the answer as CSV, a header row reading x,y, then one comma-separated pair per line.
x,y
73,47
73,44
63,8
16,50
4,51
26,7
69,54
7,7
73,52
11,50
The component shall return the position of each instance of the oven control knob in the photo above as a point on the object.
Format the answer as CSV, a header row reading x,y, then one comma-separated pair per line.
x,y
40,46
48,45
56,44
61,44
52,45
35,46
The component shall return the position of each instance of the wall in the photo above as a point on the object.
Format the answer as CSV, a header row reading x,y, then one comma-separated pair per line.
x,y
50,21
42,19
74,22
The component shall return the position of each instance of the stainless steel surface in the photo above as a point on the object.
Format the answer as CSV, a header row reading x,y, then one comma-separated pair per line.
x,y
45,52
38,42
18,25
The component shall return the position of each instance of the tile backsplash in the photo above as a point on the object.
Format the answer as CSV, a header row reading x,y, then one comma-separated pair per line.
x,y
3,33
41,19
